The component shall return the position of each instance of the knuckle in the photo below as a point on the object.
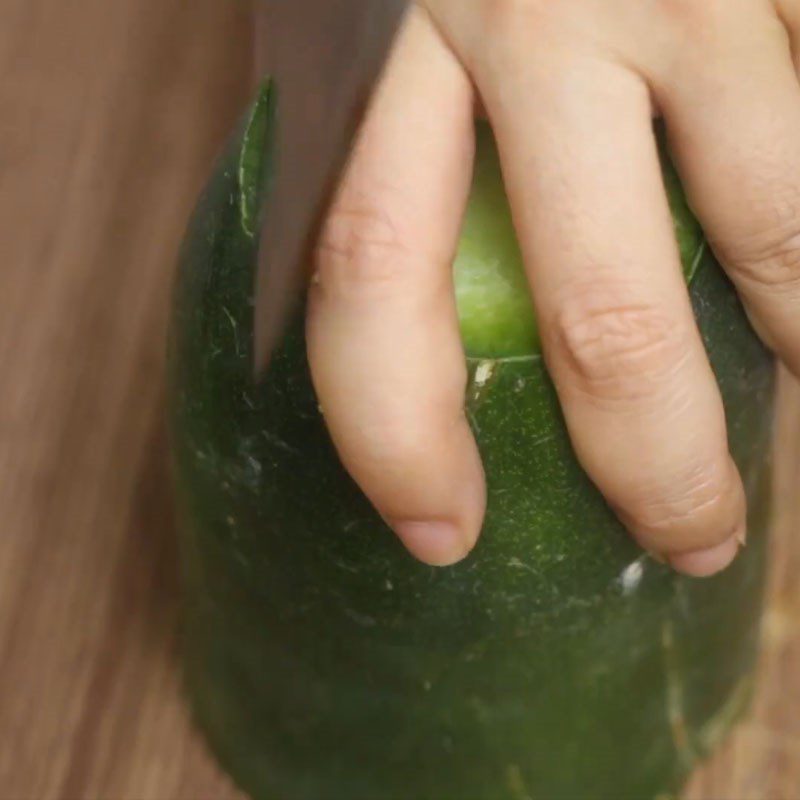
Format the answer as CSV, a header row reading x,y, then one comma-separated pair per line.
x,y
393,439
360,251
688,12
695,25
382,439
771,265
702,32
697,510
505,14
616,350
508,23
397,443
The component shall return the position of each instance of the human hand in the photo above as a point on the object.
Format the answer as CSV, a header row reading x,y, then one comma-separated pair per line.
x,y
570,88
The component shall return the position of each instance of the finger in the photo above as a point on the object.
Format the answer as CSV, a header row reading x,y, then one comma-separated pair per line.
x,y
640,401
732,108
383,339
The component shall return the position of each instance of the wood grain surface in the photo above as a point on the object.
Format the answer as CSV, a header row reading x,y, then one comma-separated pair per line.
x,y
110,114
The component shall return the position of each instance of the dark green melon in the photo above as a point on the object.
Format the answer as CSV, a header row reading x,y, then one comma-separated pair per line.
x,y
557,661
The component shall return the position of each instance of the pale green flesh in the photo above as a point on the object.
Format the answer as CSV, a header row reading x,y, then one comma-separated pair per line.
x,y
494,301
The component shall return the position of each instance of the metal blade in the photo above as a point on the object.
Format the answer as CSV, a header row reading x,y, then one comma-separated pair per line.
x,y
324,57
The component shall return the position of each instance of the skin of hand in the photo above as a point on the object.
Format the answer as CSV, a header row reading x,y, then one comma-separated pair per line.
x,y
570,88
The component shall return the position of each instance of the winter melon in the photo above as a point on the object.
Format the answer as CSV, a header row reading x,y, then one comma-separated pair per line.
x,y
557,661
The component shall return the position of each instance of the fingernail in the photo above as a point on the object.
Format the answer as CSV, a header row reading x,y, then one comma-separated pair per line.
x,y
434,542
704,563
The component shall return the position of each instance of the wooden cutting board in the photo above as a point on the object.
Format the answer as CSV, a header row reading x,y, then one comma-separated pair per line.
x,y
110,113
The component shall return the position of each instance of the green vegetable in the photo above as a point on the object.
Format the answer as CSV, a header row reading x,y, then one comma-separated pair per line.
x,y
556,662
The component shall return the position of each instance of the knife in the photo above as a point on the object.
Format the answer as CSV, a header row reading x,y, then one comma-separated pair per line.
x,y
324,57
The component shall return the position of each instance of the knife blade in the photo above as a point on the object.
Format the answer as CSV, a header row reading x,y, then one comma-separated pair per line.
x,y
324,57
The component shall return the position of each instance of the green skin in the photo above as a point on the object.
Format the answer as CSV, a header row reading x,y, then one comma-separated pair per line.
x,y
557,661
